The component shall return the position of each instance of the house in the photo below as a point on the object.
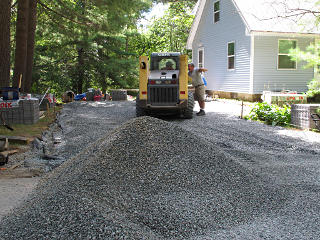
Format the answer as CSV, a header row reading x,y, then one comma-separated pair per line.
x,y
244,44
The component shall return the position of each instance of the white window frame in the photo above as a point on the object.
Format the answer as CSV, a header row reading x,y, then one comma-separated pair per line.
x,y
284,54
229,56
317,67
201,49
214,12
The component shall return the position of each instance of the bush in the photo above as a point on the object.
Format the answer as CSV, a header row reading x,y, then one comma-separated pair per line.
x,y
132,92
313,88
270,114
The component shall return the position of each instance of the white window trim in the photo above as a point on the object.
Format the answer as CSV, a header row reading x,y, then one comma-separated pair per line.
x,y
201,49
214,12
234,55
278,54
316,67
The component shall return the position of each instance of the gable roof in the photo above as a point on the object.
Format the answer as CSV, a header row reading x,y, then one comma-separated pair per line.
x,y
280,16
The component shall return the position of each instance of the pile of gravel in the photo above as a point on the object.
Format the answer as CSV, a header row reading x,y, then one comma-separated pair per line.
x,y
78,125
148,179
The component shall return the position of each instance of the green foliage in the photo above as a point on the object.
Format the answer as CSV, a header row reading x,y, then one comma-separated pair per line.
x,y
313,88
82,44
311,57
270,114
168,33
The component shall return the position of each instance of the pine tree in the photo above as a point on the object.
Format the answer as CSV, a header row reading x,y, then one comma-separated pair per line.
x,y
20,62
5,10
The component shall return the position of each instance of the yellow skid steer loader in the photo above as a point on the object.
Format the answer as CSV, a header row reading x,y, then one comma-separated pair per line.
x,y
163,87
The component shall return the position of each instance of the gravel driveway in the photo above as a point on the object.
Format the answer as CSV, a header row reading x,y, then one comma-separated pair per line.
x,y
211,177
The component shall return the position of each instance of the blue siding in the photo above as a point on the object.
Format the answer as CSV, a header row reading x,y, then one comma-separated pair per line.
x,y
268,77
214,37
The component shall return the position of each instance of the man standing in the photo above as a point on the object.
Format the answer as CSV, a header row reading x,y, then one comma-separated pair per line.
x,y
198,84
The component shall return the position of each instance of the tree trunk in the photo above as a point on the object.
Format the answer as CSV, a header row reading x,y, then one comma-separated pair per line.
x,y
21,42
127,44
5,11
102,73
80,70
30,44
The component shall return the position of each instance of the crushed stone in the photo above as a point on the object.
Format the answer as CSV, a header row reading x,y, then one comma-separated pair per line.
x,y
219,177
143,182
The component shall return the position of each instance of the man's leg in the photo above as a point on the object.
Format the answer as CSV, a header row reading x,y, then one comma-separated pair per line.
x,y
199,96
202,104
201,101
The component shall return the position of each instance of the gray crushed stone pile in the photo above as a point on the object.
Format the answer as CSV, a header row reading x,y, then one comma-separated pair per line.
x,y
78,125
148,179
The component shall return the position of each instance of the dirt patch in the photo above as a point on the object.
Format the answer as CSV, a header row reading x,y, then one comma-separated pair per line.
x,y
14,191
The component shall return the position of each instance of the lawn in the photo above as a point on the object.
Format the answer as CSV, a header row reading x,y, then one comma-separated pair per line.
x,y
34,130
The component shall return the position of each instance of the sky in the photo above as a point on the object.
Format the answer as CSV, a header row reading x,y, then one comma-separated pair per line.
x,y
157,11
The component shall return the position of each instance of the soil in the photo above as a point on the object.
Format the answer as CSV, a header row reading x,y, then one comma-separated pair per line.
x,y
16,181
13,191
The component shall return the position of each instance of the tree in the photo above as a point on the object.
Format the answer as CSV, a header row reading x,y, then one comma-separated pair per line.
x,y
32,23
83,44
306,14
5,13
175,1
169,33
20,62
311,57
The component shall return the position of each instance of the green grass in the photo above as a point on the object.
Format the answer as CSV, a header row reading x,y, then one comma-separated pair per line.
x,y
34,130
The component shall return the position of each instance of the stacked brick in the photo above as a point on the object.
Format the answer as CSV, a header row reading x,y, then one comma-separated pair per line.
x,y
118,95
20,112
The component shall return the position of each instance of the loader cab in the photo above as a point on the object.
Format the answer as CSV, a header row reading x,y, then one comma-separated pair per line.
x,y
163,85
163,61
164,68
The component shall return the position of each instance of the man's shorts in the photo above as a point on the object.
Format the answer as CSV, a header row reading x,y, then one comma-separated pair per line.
x,y
199,93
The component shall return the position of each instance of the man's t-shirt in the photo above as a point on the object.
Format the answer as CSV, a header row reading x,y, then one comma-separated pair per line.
x,y
196,77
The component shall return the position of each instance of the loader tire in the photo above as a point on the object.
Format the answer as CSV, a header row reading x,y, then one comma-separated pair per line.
x,y
188,112
139,110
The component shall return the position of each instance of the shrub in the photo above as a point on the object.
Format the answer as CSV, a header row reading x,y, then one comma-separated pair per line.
x,y
132,92
270,114
313,88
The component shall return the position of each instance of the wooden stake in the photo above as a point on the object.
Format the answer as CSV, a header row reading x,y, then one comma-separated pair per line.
x,y
241,110
48,110
20,81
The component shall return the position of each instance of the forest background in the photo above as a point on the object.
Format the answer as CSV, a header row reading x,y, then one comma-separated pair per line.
x,y
80,44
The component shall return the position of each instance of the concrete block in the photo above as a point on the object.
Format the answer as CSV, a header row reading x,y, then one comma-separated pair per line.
x,y
301,115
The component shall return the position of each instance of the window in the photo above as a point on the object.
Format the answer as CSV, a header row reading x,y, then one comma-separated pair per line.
x,y
160,63
284,60
201,57
216,12
167,64
231,55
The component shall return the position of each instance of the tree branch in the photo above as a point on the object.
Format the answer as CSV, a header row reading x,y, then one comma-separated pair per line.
x,y
14,4
61,15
